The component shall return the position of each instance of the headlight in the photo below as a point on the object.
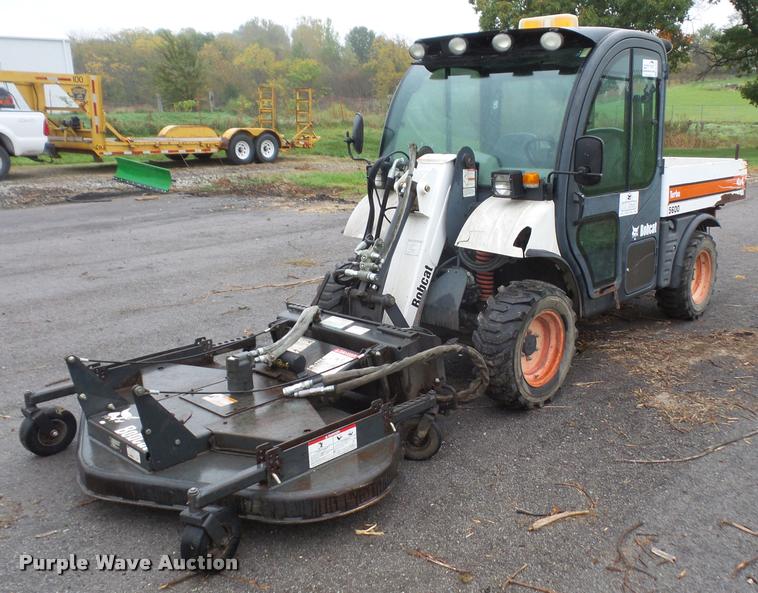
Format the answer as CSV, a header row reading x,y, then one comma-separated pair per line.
x,y
502,42
417,51
551,40
457,45
507,184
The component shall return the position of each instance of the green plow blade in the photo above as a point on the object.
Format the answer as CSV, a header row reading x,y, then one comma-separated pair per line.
x,y
142,175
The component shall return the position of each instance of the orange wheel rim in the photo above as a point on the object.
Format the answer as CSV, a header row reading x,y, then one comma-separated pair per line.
x,y
543,348
702,277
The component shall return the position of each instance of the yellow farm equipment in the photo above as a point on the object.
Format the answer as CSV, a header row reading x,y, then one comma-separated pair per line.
x,y
85,128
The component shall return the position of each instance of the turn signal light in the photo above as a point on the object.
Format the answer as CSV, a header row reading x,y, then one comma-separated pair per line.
x,y
531,179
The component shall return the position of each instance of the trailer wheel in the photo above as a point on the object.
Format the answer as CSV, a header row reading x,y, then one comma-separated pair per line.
x,y
527,335
196,542
5,162
241,149
266,148
48,432
418,447
690,298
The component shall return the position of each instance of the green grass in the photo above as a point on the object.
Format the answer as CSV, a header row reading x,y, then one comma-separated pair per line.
x,y
335,183
714,100
749,154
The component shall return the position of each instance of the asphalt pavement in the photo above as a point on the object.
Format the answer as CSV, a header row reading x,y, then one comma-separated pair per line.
x,y
120,278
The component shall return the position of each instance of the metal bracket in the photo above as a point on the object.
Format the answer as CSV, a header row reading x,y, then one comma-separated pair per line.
x,y
95,394
168,441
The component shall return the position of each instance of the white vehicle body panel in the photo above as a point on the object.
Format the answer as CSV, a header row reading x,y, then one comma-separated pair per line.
x,y
691,184
497,222
423,238
22,132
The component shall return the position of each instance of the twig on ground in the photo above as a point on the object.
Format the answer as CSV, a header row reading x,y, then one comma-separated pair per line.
x,y
530,513
509,580
559,516
532,587
703,453
369,530
269,285
181,579
739,526
743,565
465,575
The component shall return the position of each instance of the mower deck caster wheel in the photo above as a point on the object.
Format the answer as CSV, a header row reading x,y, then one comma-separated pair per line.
x,y
47,431
422,438
217,537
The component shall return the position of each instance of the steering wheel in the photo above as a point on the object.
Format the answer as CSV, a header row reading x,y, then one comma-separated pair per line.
x,y
540,151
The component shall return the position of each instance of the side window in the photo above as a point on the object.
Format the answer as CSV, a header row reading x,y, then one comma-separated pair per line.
x,y
597,241
646,67
609,121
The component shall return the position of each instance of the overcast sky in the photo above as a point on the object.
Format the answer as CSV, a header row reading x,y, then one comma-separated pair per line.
x,y
406,19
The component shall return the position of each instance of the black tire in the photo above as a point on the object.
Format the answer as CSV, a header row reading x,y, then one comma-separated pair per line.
x,y
61,431
420,450
5,162
679,301
196,542
241,149
504,338
266,148
331,293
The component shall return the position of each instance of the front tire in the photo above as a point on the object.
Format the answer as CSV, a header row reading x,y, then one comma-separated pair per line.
x,y
690,298
527,335
5,163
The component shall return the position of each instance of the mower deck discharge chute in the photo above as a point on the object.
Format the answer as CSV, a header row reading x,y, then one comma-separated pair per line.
x,y
539,194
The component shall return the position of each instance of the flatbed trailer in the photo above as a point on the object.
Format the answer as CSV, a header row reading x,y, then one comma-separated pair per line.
x,y
94,135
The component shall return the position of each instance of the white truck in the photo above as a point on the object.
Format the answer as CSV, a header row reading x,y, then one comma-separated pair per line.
x,y
22,133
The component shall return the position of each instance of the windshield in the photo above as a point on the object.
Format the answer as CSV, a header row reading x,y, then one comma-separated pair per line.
x,y
510,114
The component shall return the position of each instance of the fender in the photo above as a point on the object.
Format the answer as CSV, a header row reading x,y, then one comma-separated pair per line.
x,y
572,284
505,226
703,219
254,132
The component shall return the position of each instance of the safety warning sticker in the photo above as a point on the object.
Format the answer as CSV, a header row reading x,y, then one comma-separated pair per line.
x,y
650,68
219,399
333,361
358,330
300,345
337,322
629,203
332,445
133,454
469,183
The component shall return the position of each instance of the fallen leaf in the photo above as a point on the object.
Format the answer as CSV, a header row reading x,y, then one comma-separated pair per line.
x,y
682,573
750,248
740,277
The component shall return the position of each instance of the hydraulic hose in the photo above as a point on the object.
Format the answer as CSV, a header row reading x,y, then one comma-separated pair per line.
x,y
270,353
352,379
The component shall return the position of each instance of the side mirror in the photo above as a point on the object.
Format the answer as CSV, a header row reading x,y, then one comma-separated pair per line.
x,y
356,138
588,160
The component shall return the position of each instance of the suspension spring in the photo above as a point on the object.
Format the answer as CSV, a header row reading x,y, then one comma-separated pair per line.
x,y
485,280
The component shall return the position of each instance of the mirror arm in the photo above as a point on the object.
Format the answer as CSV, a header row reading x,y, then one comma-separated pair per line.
x,y
349,142
581,171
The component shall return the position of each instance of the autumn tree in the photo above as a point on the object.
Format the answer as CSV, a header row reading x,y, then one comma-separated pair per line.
x,y
389,61
360,40
179,72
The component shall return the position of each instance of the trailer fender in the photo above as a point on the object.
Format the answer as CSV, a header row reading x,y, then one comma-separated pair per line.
x,y
702,220
510,227
254,132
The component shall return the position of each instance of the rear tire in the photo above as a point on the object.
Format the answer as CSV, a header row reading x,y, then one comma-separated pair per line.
x,y
690,298
5,163
266,148
527,335
241,149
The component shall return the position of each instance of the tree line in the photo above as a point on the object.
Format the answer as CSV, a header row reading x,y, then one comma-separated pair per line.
x,y
190,69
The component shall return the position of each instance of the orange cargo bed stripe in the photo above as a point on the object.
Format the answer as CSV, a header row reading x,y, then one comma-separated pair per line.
x,y
688,191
